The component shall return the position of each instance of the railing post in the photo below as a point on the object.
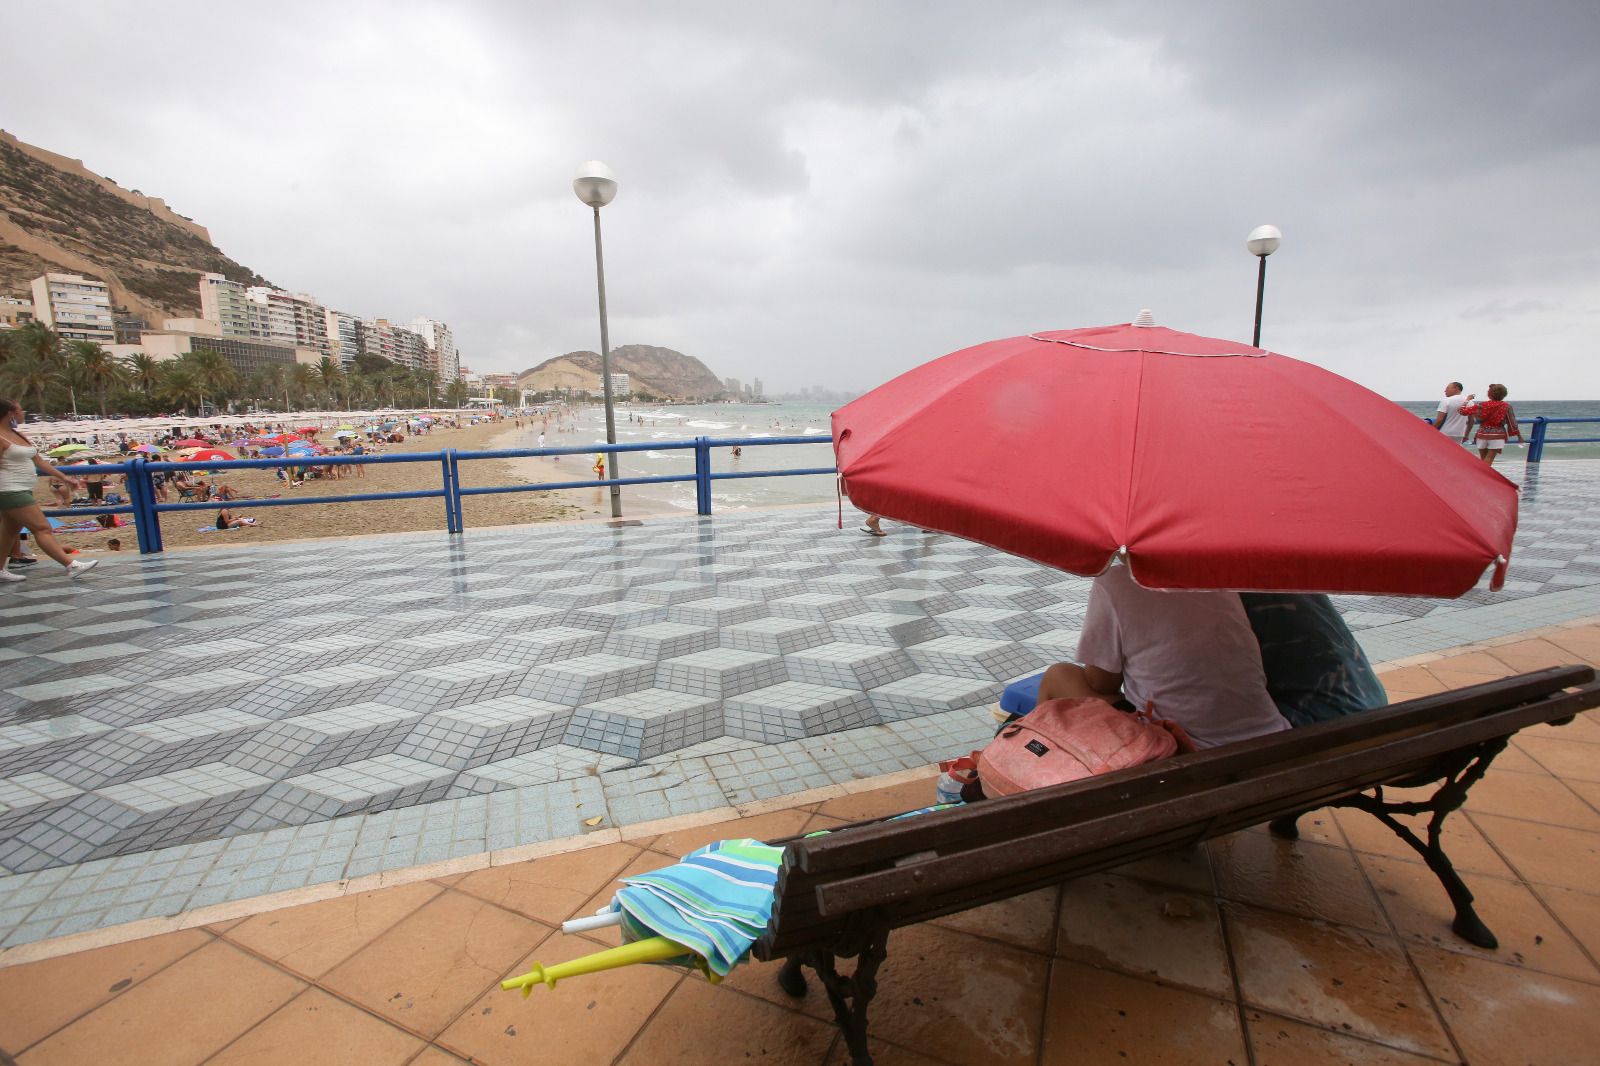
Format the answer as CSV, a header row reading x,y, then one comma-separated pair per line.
x,y
142,496
455,489
702,474
449,492
1536,445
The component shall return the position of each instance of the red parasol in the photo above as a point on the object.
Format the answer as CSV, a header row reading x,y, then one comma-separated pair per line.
x,y
205,455
1213,464
191,442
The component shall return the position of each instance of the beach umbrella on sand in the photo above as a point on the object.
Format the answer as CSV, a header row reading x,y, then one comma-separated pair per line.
x,y
191,442
67,449
343,433
204,455
272,451
147,449
1208,463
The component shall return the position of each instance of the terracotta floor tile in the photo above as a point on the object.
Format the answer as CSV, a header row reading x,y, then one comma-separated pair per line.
x,y
1573,760
762,827
1516,760
1467,848
316,937
1584,643
1337,977
1145,930
161,1018
222,927
940,989
432,1056
1534,798
1588,791
1526,655
1410,679
1475,662
822,821
1528,935
1505,1016
745,1030
551,889
435,961
1317,826
316,1029
1458,679
643,862
580,1021
38,998
887,1055
1578,911
1583,727
1311,880
1098,1017
761,979
1028,921
1283,1042
1188,868
895,799
1550,854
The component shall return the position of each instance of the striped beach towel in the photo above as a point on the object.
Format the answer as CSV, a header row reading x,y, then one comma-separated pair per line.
x,y
716,902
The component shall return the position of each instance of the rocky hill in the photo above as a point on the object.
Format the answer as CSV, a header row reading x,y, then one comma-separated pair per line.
x,y
57,216
659,371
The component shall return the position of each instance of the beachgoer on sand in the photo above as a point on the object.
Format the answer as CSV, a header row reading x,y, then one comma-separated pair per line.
x,y
20,466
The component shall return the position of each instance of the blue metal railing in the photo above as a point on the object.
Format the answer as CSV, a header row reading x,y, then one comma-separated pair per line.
x,y
1539,438
146,509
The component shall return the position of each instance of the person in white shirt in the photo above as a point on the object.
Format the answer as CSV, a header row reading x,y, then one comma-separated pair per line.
x,y
1190,656
1449,420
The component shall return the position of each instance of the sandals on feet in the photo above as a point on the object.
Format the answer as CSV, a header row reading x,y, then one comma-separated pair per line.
x,y
869,531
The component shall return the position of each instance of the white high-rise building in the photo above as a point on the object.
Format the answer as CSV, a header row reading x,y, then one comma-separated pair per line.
x,y
445,360
227,304
344,337
77,308
291,318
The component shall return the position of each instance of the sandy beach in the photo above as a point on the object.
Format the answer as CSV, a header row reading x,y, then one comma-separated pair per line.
x,y
182,529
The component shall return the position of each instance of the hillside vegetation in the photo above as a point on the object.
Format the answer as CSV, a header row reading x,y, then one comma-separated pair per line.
x,y
56,216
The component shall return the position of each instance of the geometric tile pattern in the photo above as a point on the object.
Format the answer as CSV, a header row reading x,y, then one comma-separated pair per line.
x,y
168,699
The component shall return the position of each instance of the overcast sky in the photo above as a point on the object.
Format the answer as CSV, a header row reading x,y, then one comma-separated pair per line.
x,y
831,193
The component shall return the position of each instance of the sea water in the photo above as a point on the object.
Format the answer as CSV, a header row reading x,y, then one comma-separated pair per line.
x,y
642,425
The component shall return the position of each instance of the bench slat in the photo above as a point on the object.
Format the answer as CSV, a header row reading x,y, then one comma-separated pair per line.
x,y
1211,811
1043,808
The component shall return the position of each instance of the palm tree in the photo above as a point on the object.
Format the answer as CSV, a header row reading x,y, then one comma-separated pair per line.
x,y
455,393
302,381
216,375
143,371
181,384
40,341
96,368
329,376
26,373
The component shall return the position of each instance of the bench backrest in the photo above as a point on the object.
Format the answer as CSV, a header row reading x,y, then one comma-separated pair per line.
x,y
915,869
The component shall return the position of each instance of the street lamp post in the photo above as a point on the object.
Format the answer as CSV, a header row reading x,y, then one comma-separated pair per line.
x,y
1262,242
597,186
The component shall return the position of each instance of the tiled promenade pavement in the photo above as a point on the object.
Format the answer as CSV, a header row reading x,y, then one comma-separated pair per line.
x,y
1328,950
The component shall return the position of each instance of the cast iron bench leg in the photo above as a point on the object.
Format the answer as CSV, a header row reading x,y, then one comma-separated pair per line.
x,y
1450,795
849,995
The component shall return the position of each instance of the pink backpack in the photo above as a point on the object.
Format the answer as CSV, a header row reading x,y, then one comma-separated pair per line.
x,y
1067,740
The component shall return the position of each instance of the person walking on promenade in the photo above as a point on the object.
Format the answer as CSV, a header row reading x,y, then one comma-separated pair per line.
x,y
1449,420
20,465
1495,422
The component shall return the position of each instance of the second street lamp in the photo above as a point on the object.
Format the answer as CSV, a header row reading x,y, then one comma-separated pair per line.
x,y
1262,242
596,186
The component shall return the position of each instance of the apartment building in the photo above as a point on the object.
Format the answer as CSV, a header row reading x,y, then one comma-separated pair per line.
x,y
344,337
444,360
15,312
77,308
228,304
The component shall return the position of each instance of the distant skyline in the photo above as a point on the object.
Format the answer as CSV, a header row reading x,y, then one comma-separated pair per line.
x,y
831,194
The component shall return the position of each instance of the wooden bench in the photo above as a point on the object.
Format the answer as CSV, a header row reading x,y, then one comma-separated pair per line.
x,y
839,895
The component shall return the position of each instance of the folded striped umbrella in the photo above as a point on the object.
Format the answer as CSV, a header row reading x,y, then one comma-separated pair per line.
x,y
716,902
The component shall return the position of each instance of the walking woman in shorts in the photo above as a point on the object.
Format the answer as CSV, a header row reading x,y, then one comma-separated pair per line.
x,y
20,466
1495,422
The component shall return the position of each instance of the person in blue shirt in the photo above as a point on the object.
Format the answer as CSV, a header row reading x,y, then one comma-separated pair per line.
x,y
1316,671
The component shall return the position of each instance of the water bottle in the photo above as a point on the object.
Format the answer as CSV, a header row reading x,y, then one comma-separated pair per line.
x,y
948,789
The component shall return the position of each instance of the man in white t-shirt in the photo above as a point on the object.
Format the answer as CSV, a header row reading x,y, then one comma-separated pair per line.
x,y
1450,421
1192,655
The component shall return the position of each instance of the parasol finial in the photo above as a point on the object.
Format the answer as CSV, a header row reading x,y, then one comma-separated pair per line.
x,y
1145,317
